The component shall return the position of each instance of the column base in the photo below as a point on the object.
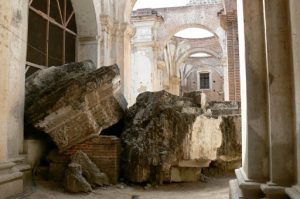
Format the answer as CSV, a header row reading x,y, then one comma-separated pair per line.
x,y
11,180
294,192
272,191
244,188
22,166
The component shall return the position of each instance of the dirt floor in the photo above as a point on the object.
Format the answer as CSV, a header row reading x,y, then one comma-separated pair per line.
x,y
215,188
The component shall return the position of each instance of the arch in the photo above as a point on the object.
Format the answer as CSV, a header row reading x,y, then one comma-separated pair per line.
x,y
86,17
183,57
189,17
128,9
88,27
164,40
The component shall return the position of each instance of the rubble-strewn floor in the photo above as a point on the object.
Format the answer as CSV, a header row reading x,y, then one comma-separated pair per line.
x,y
215,189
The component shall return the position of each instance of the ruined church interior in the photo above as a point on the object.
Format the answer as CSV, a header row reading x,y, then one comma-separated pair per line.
x,y
150,99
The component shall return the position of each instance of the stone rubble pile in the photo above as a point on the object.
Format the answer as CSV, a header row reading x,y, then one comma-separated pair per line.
x,y
73,103
166,138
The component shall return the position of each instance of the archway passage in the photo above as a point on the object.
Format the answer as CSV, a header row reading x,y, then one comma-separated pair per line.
x,y
52,34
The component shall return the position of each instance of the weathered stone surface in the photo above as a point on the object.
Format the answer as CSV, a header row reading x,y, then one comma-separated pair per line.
x,y
165,131
230,153
74,180
224,108
104,151
89,169
198,97
74,102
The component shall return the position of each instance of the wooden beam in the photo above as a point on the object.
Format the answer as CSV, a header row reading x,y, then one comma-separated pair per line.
x,y
70,17
47,33
51,20
26,69
60,13
30,64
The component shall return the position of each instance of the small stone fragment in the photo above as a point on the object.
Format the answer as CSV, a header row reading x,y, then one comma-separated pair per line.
x,y
74,181
89,169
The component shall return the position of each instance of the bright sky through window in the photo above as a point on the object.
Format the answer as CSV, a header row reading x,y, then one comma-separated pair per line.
x,y
159,3
200,55
194,33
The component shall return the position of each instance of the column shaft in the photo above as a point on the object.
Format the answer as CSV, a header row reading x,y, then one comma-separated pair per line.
x,y
254,91
281,95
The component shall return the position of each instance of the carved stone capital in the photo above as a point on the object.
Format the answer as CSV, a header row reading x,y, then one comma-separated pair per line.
x,y
107,24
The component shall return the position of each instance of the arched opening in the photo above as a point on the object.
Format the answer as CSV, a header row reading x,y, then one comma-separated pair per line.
x,y
52,34
61,31
189,45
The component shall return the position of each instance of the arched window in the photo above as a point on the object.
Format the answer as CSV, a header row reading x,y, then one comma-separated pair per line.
x,y
52,34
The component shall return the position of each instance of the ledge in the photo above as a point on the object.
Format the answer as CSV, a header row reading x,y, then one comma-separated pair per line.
x,y
272,189
294,192
5,178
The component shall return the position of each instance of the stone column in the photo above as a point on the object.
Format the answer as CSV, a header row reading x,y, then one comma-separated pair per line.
x,y
13,43
128,33
106,47
281,95
294,192
17,45
254,91
123,54
175,85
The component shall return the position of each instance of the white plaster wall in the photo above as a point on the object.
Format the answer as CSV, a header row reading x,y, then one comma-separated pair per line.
x,y
142,70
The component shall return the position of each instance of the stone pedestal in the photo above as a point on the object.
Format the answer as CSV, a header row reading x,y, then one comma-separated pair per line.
x,y
273,191
243,187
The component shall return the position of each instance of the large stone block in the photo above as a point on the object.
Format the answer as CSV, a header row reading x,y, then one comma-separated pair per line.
x,y
165,131
74,102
